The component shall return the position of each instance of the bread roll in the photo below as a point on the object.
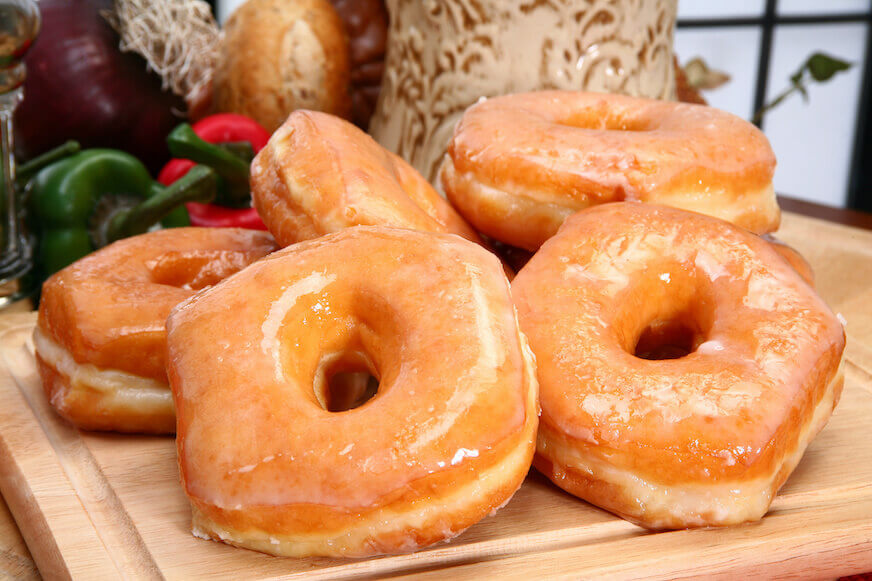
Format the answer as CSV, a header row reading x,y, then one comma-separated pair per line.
x,y
282,55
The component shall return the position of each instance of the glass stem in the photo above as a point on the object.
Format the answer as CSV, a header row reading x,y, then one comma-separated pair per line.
x,y
14,261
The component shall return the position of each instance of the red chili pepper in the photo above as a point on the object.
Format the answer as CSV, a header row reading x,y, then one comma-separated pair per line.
x,y
220,128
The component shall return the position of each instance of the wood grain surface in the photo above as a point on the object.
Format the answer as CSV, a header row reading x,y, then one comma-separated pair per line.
x,y
106,506
15,559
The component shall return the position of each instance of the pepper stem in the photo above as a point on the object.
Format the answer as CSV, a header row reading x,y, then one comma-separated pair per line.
x,y
198,185
241,149
184,143
27,170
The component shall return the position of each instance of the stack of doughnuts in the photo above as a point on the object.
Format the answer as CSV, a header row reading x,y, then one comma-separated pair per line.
x,y
369,388
684,363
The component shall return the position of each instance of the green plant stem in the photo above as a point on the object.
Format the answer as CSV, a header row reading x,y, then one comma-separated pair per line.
x,y
198,185
28,169
758,116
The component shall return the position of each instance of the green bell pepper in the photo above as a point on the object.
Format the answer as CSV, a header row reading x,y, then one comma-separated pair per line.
x,y
97,196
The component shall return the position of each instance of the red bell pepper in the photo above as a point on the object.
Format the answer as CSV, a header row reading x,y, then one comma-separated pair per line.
x,y
220,128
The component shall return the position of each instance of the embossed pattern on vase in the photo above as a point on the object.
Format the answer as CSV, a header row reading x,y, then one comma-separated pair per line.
x,y
444,55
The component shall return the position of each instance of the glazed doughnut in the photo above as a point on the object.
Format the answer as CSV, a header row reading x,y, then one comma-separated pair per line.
x,y
519,165
272,462
319,174
100,338
683,365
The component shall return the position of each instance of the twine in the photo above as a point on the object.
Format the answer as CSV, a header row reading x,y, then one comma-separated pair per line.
x,y
179,39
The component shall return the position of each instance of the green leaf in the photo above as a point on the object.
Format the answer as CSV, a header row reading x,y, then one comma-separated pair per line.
x,y
822,67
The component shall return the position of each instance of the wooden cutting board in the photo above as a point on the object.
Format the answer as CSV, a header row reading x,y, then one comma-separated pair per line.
x,y
96,506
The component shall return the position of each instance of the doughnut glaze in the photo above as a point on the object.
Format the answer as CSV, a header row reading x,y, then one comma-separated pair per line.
x,y
101,337
446,440
517,166
684,365
319,174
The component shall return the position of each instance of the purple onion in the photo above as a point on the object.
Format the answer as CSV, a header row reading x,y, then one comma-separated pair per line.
x,y
81,86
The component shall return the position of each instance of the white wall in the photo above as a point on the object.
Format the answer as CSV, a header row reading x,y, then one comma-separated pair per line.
x,y
719,8
813,141
734,50
223,9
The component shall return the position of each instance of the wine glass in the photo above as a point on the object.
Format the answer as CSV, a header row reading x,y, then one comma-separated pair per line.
x,y
19,25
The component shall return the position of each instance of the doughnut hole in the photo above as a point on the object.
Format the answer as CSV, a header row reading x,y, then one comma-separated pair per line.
x,y
345,381
669,338
668,315
607,121
355,357
197,269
